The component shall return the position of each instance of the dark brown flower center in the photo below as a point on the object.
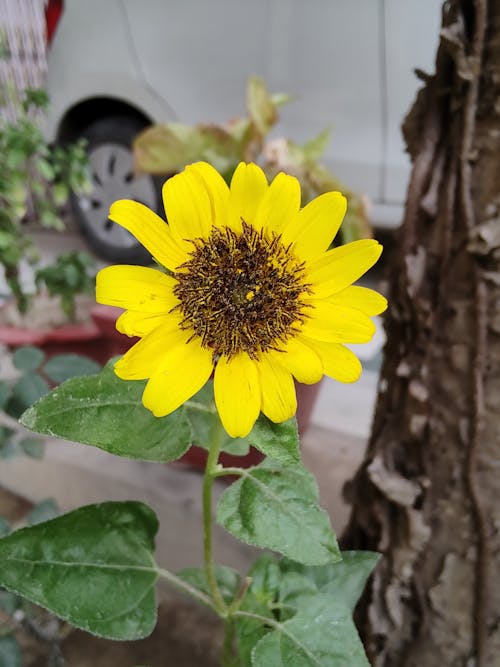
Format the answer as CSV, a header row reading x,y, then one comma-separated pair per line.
x,y
241,292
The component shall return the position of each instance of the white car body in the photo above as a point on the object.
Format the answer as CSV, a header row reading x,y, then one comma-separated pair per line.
x,y
348,63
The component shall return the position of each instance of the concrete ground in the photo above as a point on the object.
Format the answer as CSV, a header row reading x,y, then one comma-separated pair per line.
x,y
74,474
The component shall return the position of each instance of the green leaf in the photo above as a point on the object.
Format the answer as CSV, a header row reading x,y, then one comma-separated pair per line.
x,y
42,511
344,580
106,412
315,147
265,574
260,598
10,653
165,149
277,508
250,631
8,602
4,394
66,366
27,390
322,634
295,590
8,445
93,567
278,441
28,358
228,580
260,105
4,527
33,447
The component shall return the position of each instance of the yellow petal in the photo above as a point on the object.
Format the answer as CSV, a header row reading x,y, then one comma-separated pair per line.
x,y
300,360
186,367
187,206
337,324
145,357
362,298
279,205
313,229
135,287
237,394
133,323
340,267
279,401
217,191
339,362
248,187
150,230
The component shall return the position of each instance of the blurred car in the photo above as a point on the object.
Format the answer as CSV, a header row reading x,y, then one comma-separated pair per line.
x,y
116,66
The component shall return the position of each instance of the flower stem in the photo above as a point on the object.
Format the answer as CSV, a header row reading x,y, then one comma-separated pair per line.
x,y
229,657
208,482
184,586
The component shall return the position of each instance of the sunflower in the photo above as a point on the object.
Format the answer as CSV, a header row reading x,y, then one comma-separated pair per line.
x,y
250,292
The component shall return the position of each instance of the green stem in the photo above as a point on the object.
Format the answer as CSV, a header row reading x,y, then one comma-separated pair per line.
x,y
208,482
257,617
229,657
184,586
219,471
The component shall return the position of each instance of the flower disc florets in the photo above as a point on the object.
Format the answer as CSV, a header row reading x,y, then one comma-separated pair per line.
x,y
241,292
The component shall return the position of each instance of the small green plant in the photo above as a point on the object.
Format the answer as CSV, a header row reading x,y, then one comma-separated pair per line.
x,y
71,274
167,148
247,291
35,182
35,376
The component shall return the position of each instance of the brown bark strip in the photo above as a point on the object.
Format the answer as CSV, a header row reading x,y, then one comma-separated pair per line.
x,y
481,600
426,495
483,581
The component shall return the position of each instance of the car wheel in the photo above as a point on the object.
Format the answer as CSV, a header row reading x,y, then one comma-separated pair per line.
x,y
112,176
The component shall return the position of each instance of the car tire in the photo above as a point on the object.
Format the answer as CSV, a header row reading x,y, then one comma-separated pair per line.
x,y
109,142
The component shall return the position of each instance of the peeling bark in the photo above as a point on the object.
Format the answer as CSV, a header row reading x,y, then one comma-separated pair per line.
x,y
427,494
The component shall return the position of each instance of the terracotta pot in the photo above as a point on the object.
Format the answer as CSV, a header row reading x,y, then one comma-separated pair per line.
x,y
45,327
104,318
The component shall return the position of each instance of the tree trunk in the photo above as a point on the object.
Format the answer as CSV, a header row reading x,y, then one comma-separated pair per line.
x,y
427,494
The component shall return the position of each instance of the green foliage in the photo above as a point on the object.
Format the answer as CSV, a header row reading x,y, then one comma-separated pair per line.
x,y
168,148
228,580
93,567
35,181
28,358
344,580
34,382
314,598
65,366
42,511
321,634
106,412
276,507
4,529
279,441
71,274
10,653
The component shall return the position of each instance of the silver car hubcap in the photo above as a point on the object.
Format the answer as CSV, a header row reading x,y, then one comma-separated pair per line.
x,y
112,176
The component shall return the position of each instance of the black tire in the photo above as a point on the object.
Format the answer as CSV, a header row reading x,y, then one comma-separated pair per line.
x,y
109,143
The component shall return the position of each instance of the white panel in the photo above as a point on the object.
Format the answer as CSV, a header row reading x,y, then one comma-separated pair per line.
x,y
334,68
198,54
412,30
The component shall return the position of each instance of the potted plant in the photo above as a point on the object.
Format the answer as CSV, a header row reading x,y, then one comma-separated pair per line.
x,y
35,182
